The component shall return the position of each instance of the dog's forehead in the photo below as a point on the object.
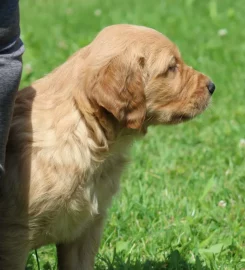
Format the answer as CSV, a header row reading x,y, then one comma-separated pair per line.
x,y
162,46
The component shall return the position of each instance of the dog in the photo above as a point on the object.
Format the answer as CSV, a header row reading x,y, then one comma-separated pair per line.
x,y
70,136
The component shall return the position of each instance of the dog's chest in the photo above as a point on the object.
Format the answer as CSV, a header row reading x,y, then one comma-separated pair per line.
x,y
88,200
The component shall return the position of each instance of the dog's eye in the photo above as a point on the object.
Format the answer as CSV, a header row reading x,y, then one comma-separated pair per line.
x,y
172,68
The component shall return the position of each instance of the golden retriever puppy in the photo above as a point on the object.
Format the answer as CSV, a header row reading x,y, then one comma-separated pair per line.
x,y
70,135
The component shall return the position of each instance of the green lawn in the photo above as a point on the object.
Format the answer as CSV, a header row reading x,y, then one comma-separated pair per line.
x,y
182,201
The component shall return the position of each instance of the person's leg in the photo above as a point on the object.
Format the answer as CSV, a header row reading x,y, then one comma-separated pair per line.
x,y
10,74
11,50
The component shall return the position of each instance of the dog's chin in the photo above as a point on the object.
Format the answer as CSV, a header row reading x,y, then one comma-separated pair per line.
x,y
180,118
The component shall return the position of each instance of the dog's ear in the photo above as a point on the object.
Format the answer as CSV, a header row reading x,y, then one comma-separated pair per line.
x,y
119,89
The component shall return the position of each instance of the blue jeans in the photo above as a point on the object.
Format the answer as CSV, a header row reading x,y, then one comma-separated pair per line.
x,y
11,50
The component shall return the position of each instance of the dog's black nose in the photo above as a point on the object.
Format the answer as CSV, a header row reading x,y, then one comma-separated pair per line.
x,y
211,87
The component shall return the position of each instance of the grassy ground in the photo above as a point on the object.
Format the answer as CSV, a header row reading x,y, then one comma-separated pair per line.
x,y
182,202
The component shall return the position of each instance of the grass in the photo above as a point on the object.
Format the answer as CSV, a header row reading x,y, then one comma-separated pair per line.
x,y
182,201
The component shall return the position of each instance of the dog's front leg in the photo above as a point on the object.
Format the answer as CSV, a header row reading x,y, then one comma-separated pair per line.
x,y
80,254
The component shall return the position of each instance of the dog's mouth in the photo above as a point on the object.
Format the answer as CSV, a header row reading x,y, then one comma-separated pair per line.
x,y
183,117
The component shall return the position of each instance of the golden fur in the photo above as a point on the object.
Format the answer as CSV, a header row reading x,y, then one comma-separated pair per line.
x,y
70,135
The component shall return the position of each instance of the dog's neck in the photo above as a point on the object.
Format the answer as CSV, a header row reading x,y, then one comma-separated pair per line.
x,y
70,109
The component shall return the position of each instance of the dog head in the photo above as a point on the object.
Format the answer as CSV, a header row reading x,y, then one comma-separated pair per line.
x,y
137,75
